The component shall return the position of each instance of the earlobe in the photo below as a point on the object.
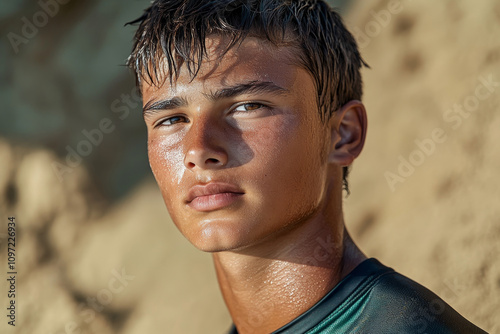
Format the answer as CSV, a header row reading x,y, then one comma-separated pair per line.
x,y
348,131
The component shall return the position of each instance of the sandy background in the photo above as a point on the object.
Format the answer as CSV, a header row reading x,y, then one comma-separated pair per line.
x,y
435,220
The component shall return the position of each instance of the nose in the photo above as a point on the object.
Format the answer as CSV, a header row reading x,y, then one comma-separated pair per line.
x,y
205,146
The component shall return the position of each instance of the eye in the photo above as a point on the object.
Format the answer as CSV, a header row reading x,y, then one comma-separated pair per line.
x,y
248,107
174,120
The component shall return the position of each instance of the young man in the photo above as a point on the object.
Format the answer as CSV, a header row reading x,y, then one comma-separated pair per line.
x,y
253,114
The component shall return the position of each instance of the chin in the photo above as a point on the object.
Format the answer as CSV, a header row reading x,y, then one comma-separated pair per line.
x,y
215,237
210,245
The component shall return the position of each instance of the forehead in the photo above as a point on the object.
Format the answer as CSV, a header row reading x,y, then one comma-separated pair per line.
x,y
254,59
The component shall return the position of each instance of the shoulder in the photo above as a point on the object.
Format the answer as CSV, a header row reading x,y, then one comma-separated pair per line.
x,y
380,300
409,307
393,303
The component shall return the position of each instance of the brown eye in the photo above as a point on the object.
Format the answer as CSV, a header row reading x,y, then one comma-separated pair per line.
x,y
249,107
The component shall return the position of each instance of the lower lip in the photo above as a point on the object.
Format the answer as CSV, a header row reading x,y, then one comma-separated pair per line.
x,y
214,202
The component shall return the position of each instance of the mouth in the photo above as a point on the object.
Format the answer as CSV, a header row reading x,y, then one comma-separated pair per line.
x,y
213,196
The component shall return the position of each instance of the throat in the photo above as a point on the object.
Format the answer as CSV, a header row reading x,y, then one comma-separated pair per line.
x,y
264,294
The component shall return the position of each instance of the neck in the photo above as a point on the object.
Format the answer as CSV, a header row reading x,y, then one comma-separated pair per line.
x,y
268,285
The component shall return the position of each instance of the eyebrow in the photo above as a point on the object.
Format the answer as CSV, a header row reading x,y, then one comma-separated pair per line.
x,y
247,88
175,102
225,93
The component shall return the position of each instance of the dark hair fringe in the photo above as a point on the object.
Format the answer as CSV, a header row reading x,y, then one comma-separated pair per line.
x,y
172,34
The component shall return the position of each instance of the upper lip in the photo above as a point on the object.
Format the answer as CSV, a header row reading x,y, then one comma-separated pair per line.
x,y
211,188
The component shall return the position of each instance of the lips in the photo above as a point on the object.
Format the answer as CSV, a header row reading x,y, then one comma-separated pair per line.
x,y
213,196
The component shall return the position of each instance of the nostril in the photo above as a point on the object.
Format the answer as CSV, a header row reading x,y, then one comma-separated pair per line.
x,y
212,160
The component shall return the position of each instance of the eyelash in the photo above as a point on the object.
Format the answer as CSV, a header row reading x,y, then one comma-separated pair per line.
x,y
184,118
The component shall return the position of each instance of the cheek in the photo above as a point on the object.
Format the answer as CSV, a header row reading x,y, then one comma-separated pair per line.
x,y
269,142
289,165
287,150
166,158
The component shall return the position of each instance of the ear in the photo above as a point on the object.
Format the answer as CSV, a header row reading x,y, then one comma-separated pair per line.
x,y
348,131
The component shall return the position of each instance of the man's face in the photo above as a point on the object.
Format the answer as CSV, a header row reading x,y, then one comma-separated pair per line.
x,y
239,153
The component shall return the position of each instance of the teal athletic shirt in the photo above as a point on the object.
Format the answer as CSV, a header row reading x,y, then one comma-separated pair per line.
x,y
374,299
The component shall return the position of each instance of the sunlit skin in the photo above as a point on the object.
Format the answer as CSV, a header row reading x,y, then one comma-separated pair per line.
x,y
249,172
